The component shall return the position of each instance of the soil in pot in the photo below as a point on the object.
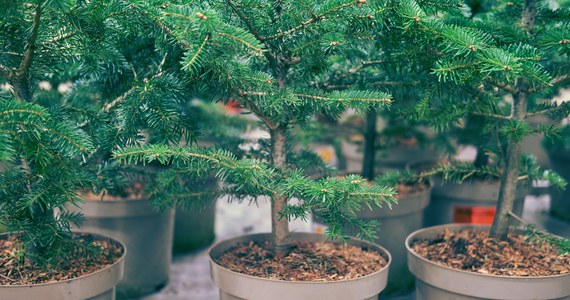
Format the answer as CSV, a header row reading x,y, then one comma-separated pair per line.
x,y
307,261
461,262
475,251
15,272
91,274
335,263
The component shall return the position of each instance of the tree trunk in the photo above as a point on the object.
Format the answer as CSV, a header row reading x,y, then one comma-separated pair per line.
x,y
279,225
509,178
368,161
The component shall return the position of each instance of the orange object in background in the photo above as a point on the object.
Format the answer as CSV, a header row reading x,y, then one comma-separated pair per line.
x,y
473,214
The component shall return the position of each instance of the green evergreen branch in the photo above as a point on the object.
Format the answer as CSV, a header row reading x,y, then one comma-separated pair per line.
x,y
540,237
345,99
494,116
189,65
107,107
310,21
247,44
563,108
506,87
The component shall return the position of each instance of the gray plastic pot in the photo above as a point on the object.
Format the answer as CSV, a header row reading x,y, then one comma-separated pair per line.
x,y
560,204
447,197
194,229
236,286
396,224
437,282
99,285
396,158
146,233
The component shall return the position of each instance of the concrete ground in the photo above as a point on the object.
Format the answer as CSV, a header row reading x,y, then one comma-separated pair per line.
x,y
190,275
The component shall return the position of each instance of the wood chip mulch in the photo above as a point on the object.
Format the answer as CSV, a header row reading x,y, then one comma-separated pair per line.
x,y
475,251
15,272
306,262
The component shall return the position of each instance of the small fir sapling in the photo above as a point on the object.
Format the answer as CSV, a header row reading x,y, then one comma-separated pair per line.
x,y
42,46
517,48
265,56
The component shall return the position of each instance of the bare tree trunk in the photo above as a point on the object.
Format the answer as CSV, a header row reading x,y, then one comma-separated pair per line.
x,y
279,226
368,161
509,179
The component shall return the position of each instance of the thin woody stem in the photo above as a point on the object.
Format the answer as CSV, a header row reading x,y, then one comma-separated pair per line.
x,y
21,82
306,23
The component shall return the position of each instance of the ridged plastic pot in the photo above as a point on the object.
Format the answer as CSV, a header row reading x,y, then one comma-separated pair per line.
x,y
446,198
194,229
438,282
396,158
396,224
146,233
99,285
560,199
236,286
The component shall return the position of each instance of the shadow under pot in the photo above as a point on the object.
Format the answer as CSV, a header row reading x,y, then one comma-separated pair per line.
x,y
97,285
238,286
146,233
436,281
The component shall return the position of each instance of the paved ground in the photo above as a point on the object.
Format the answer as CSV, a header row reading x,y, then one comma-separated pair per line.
x,y
190,277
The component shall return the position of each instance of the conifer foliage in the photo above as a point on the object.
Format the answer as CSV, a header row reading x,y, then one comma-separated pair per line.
x,y
486,50
268,56
77,82
39,143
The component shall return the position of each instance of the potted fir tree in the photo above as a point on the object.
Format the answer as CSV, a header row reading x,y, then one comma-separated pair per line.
x,y
41,150
391,144
267,57
135,98
519,56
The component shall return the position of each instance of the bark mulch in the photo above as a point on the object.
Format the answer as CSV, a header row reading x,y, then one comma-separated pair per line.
x,y
307,261
14,271
475,251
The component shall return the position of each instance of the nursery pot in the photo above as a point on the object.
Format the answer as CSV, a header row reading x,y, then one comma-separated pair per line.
x,y
236,286
99,285
397,223
471,202
146,233
559,203
194,228
394,158
436,282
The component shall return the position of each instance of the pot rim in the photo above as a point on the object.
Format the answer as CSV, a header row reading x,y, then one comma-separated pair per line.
x,y
252,236
119,260
474,226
